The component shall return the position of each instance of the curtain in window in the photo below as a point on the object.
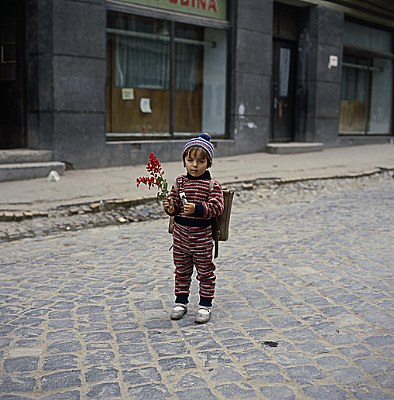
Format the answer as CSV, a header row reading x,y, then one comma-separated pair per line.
x,y
144,62
141,62
355,78
187,57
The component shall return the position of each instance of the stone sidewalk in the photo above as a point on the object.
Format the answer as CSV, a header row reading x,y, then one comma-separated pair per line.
x,y
304,307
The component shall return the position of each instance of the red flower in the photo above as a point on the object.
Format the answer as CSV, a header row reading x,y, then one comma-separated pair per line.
x,y
156,179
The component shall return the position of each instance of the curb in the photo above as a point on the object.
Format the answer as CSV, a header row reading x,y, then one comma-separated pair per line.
x,y
284,181
113,204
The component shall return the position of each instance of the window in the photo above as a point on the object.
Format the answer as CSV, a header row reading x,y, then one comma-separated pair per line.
x,y
367,82
7,51
161,84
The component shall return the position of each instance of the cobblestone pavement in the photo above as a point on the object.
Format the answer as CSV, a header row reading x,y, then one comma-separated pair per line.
x,y
304,307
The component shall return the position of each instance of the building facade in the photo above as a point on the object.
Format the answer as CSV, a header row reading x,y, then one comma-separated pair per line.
x,y
104,82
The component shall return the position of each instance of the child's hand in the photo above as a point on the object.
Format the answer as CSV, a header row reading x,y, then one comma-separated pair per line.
x,y
189,208
168,205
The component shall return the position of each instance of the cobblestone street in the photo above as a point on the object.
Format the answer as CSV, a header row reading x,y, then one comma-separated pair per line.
x,y
304,307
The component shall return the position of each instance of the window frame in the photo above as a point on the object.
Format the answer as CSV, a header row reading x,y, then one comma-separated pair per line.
x,y
369,55
171,19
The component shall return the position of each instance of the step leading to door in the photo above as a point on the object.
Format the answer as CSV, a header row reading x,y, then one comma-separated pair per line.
x,y
16,156
293,148
25,170
18,164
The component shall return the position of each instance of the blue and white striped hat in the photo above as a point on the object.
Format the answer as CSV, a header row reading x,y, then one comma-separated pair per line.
x,y
204,141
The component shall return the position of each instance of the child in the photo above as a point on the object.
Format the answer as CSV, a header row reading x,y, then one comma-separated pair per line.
x,y
193,204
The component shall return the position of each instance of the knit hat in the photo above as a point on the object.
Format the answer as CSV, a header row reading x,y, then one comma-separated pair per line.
x,y
204,141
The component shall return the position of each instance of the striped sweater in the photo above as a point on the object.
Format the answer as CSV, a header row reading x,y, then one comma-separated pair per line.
x,y
209,203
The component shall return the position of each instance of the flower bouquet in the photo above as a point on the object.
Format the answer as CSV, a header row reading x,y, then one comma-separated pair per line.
x,y
156,177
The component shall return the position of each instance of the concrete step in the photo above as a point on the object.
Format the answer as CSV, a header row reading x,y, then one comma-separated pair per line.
x,y
17,164
293,148
16,156
29,170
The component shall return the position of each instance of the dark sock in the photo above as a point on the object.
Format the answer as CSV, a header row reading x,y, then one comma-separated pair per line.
x,y
205,301
182,298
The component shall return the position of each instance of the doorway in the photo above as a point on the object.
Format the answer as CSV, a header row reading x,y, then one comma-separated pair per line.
x,y
284,79
12,74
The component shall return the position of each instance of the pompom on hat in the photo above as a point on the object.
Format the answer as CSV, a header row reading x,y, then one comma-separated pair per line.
x,y
204,141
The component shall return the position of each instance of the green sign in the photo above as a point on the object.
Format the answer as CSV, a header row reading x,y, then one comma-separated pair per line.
x,y
204,8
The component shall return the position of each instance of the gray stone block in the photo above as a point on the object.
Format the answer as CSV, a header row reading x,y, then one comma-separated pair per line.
x,y
13,172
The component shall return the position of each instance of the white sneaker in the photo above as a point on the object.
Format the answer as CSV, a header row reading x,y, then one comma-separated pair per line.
x,y
203,315
178,311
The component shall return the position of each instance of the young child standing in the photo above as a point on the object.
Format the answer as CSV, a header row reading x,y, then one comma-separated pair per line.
x,y
193,203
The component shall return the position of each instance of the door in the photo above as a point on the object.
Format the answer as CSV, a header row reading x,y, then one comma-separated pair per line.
x,y
12,83
284,76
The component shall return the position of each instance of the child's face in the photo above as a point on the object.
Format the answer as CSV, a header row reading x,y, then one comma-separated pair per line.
x,y
196,162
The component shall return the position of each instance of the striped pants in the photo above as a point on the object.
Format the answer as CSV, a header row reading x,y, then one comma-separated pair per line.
x,y
193,247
